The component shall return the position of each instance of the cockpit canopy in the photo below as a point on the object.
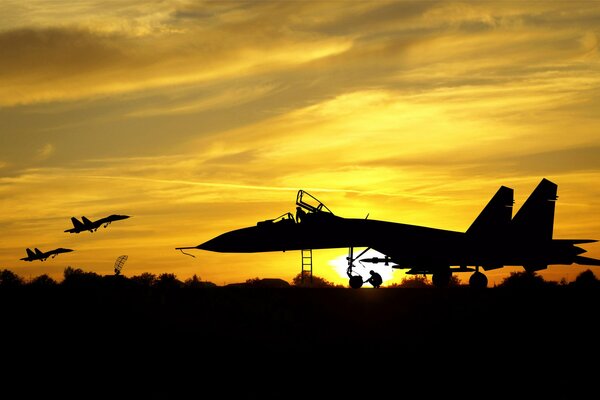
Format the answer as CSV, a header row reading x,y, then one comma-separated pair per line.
x,y
308,207
286,218
310,203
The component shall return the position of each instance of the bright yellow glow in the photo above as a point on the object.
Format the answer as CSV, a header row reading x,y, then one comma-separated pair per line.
x,y
387,273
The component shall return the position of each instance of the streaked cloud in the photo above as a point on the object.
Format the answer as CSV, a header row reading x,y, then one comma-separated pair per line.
x,y
72,61
45,151
233,97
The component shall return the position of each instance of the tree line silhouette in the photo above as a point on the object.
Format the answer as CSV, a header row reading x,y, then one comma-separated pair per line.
x,y
77,277
157,325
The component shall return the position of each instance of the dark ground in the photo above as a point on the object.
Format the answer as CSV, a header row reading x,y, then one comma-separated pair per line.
x,y
298,342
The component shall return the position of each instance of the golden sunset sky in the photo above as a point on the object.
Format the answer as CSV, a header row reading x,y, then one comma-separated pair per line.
x,y
199,117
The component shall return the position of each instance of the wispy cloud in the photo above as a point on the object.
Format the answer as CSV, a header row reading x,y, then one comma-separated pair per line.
x,y
45,151
230,97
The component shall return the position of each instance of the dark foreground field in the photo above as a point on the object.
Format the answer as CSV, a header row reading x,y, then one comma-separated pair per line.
x,y
299,342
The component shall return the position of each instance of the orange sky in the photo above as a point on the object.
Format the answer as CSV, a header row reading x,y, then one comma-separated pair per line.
x,y
198,117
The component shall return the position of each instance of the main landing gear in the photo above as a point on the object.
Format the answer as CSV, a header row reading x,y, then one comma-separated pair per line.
x,y
356,281
442,277
478,280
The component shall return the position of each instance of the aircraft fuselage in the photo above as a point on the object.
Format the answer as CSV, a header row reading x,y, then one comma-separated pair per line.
x,y
408,246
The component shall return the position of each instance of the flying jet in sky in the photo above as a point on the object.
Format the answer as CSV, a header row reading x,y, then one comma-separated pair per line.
x,y
37,254
493,240
92,226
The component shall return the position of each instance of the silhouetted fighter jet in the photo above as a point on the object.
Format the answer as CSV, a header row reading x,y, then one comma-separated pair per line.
x,y
92,226
493,240
37,254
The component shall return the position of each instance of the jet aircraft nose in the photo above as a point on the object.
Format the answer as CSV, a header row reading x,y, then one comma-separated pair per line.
x,y
211,245
245,240
218,244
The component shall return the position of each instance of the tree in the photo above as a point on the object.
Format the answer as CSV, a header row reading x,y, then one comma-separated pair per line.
x,y
168,281
413,281
76,277
196,282
316,282
523,279
454,281
10,279
146,279
266,283
252,281
586,279
42,281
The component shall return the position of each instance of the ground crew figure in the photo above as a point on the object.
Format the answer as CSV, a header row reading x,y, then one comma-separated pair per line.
x,y
375,279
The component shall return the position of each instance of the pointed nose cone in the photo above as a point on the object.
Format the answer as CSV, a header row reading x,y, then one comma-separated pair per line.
x,y
212,245
245,240
229,242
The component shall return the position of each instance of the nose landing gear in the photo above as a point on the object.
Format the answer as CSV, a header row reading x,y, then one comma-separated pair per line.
x,y
356,281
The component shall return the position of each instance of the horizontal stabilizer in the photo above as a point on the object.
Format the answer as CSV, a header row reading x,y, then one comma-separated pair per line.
x,y
575,241
586,261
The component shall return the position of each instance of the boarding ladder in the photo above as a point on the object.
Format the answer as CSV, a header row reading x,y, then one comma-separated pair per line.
x,y
312,205
306,264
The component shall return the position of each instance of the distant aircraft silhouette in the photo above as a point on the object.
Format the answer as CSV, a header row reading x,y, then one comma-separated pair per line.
x,y
493,240
37,254
92,226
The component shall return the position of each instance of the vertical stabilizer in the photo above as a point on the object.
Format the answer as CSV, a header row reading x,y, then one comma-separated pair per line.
x,y
535,218
495,218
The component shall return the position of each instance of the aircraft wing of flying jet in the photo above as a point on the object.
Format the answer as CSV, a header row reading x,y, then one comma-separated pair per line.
x,y
495,239
87,225
37,254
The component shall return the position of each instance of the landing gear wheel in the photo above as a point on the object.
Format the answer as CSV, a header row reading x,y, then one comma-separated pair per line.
x,y
441,279
356,282
478,280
